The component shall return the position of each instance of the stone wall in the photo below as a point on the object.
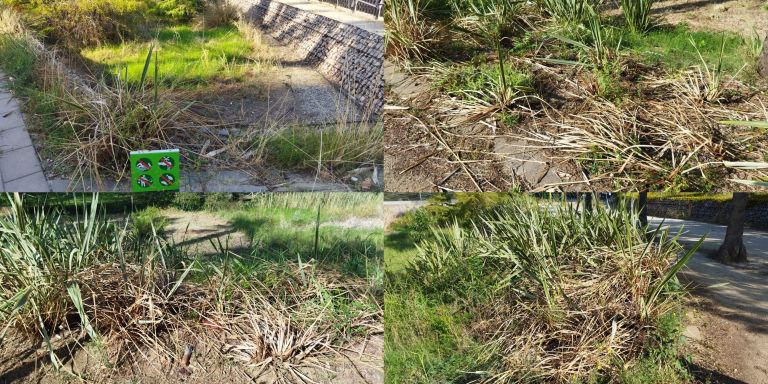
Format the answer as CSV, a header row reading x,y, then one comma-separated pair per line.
x,y
707,211
349,57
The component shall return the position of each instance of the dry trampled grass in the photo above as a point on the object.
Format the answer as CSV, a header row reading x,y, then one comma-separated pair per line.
x,y
597,319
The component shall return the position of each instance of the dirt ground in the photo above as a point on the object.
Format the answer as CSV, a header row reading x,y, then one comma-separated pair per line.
x,y
740,16
426,132
726,346
23,361
196,230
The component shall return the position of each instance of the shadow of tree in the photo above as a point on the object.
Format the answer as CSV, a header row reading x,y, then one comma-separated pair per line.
x,y
705,375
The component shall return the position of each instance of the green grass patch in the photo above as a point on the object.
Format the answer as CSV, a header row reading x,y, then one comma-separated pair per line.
x,y
185,56
19,62
425,342
399,251
340,148
671,45
280,230
661,362
473,79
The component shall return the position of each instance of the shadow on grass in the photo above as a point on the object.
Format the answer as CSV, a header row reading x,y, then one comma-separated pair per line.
x,y
399,240
354,254
185,56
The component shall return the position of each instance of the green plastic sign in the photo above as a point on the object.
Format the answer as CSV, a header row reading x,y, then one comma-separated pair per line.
x,y
155,170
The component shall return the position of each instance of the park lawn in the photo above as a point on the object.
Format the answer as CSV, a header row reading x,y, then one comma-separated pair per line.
x,y
281,231
399,250
185,56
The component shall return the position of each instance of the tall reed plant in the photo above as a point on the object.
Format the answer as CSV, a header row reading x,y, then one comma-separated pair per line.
x,y
566,11
638,14
410,36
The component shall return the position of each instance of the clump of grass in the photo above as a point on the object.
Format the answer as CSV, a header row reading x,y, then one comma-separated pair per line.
x,y
654,143
336,149
286,321
96,123
99,133
220,14
709,83
638,14
53,269
568,11
410,37
485,83
130,295
558,294
38,260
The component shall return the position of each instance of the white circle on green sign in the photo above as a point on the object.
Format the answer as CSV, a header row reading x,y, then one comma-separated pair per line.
x,y
166,163
144,181
143,164
167,180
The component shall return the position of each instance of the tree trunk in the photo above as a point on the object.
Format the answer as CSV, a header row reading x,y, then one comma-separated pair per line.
x,y
642,204
732,250
762,63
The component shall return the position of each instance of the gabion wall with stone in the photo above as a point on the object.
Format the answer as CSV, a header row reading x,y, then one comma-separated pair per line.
x,y
350,57
713,212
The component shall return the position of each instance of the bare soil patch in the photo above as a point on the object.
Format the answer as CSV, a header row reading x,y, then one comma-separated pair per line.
x,y
727,346
197,229
740,16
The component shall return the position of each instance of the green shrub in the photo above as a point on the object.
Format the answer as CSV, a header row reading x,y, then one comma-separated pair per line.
x,y
417,224
143,222
180,10
188,201
79,23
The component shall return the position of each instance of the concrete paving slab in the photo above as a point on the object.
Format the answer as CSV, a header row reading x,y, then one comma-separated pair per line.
x,y
12,139
35,182
220,181
10,114
19,163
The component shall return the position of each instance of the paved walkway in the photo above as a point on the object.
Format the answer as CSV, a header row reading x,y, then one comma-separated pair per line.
x,y
732,334
747,284
20,169
358,19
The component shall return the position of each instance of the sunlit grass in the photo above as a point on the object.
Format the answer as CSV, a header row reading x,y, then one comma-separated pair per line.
x,y
185,56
